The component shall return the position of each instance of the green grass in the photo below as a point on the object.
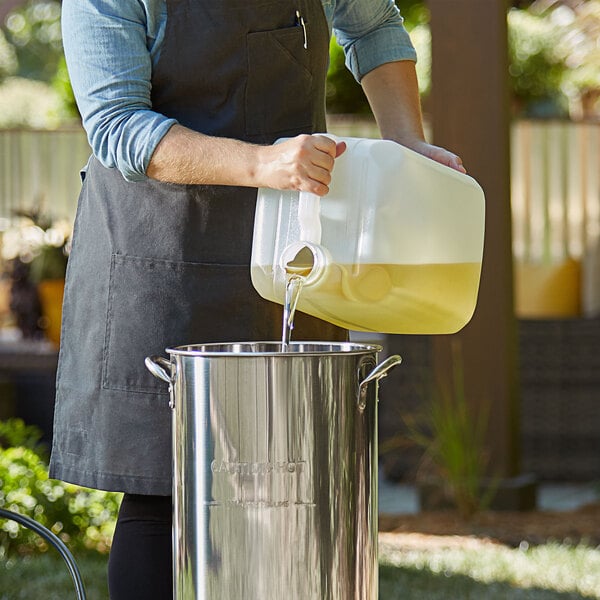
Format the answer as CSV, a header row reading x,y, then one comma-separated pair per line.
x,y
490,572
45,577
487,572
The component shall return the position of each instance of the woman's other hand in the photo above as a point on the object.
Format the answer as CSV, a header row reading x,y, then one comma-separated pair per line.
x,y
441,155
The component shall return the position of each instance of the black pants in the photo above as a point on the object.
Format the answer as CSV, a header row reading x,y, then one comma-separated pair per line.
x,y
140,563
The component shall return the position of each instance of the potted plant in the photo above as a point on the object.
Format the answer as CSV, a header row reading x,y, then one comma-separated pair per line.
x,y
35,250
452,435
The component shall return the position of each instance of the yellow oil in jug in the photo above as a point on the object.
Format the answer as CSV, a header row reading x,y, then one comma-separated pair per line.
x,y
390,298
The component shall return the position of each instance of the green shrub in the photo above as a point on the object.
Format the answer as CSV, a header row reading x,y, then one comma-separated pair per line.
x,y
453,437
30,103
79,516
344,94
14,432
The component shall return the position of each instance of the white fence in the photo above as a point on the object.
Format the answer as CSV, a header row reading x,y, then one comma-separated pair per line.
x,y
555,187
555,190
40,169
555,199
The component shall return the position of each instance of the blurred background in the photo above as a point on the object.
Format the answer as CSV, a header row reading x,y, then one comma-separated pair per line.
x,y
504,415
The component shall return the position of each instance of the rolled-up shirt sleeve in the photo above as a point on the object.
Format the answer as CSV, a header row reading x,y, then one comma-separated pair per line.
x,y
371,33
108,52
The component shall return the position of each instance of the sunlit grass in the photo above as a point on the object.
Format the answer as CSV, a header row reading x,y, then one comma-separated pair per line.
x,y
489,571
475,571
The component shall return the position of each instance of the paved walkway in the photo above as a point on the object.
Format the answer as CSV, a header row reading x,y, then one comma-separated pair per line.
x,y
401,498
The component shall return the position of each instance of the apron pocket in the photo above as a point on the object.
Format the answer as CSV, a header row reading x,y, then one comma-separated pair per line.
x,y
278,96
155,304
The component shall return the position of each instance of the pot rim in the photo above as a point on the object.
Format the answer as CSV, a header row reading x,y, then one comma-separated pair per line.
x,y
271,348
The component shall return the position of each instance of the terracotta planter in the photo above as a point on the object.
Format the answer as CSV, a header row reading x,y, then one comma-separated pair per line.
x,y
546,291
51,293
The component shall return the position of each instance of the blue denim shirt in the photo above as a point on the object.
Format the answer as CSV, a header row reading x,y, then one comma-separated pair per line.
x,y
112,45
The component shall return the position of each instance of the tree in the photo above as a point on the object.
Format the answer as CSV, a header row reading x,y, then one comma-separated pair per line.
x,y
555,57
536,66
32,27
345,95
31,57
7,6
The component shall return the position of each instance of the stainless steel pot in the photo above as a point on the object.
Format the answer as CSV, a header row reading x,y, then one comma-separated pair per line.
x,y
275,469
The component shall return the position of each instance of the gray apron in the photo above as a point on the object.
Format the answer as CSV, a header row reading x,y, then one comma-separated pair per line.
x,y
155,265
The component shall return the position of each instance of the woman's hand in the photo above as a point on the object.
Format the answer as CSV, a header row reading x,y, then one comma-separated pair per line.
x,y
302,163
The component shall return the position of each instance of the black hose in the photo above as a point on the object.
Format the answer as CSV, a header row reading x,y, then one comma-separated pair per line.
x,y
55,541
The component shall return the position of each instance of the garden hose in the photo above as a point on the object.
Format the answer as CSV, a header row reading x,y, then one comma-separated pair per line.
x,y
55,541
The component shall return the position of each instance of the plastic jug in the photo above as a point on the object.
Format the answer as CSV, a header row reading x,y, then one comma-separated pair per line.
x,y
394,247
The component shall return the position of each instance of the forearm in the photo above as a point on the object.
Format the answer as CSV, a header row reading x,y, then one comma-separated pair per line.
x,y
301,163
393,93
185,156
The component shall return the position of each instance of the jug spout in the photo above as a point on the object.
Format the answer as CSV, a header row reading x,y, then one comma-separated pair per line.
x,y
303,258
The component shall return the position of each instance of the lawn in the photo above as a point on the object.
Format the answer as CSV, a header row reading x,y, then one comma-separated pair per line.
x,y
450,567
45,577
423,568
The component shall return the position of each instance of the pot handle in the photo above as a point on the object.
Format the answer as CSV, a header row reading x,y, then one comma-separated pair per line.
x,y
379,372
160,367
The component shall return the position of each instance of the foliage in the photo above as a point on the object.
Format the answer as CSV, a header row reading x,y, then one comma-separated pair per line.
x,y
536,65
344,94
15,432
8,57
30,103
414,13
35,90
81,517
421,38
579,45
34,32
35,250
40,243
555,58
553,52
62,86
453,439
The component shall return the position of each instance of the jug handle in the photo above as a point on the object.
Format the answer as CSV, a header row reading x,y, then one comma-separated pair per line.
x,y
379,372
160,367
309,217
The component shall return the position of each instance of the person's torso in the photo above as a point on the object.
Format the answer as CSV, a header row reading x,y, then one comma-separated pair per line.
x,y
250,70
